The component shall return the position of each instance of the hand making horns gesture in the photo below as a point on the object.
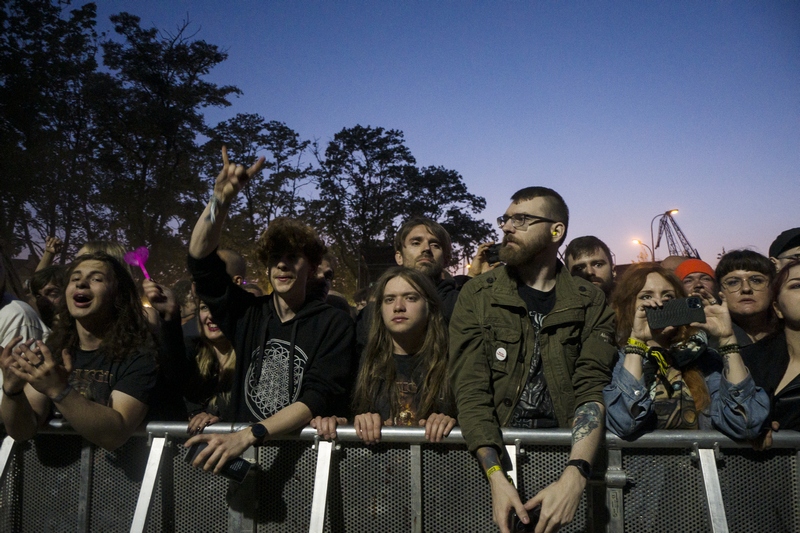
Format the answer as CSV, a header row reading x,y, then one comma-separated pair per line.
x,y
232,177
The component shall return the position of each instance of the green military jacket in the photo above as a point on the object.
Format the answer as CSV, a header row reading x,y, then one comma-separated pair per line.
x,y
492,342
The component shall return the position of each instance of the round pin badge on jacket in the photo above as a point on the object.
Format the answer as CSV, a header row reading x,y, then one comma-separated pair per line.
x,y
501,354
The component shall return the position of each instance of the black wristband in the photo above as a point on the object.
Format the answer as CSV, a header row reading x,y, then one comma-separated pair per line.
x,y
583,467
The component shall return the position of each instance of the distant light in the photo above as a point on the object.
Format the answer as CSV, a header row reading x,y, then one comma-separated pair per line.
x,y
673,211
637,241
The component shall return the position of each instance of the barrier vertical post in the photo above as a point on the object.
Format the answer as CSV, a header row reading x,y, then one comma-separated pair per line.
x,y
148,483
85,491
246,495
616,478
6,453
416,488
716,507
319,500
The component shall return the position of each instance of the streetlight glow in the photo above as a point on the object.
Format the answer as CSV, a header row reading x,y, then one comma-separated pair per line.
x,y
640,243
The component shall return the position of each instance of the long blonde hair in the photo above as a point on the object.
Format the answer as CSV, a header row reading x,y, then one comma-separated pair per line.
x,y
207,364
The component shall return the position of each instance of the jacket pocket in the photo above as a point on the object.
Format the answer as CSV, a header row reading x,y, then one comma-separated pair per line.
x,y
503,348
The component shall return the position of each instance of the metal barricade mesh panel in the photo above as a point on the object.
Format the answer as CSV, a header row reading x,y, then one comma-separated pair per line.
x,y
749,480
456,495
285,481
370,489
197,501
116,480
665,492
50,484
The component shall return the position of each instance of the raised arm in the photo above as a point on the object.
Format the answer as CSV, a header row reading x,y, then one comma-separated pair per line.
x,y
52,247
231,179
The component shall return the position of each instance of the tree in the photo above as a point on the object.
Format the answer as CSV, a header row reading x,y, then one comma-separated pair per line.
x,y
148,120
441,194
47,64
276,191
368,185
360,187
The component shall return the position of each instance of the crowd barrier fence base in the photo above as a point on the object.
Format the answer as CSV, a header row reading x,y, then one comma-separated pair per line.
x,y
665,481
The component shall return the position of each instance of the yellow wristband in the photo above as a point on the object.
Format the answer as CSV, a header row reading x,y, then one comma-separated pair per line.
x,y
493,469
637,343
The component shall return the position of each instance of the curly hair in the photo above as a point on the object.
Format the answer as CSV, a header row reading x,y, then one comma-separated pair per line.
x,y
126,329
287,235
379,367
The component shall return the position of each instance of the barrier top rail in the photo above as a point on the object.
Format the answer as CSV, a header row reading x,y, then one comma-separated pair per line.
x,y
416,435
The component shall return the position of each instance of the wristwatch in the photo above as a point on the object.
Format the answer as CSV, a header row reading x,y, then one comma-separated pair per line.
x,y
583,467
260,433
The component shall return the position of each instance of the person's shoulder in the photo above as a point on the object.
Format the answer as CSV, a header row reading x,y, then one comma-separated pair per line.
x,y
490,280
15,307
317,312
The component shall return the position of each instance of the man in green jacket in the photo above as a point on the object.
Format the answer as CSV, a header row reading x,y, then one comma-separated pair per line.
x,y
531,347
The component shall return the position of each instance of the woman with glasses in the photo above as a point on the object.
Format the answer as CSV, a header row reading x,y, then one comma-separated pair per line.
x,y
775,359
744,277
669,378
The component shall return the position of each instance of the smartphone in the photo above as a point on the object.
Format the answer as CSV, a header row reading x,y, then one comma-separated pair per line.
x,y
518,525
235,469
493,254
677,312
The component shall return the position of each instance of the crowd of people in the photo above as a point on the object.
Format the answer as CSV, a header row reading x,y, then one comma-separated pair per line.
x,y
522,341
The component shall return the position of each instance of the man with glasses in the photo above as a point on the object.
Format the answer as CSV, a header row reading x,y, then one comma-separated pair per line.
x,y
744,277
531,347
785,248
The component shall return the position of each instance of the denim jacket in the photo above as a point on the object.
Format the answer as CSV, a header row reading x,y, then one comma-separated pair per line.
x,y
738,411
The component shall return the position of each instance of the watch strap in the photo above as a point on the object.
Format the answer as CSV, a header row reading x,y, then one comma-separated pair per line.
x,y
260,432
583,467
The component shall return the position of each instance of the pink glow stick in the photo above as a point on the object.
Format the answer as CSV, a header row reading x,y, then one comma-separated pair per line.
x,y
138,257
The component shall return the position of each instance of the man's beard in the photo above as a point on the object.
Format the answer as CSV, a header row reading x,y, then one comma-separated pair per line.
x,y
603,285
433,269
524,253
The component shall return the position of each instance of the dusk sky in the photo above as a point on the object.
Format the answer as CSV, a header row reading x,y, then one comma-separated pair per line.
x,y
627,109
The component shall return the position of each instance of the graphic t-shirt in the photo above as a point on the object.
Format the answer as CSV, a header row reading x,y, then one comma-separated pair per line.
x,y
409,382
94,377
535,406
274,378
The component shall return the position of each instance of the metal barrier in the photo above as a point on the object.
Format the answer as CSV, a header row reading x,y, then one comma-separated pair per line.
x,y
679,481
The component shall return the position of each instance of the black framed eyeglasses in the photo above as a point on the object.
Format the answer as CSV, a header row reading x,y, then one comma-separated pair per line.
x,y
519,220
757,283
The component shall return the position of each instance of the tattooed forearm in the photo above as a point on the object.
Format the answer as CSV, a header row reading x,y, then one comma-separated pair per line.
x,y
588,417
488,457
726,365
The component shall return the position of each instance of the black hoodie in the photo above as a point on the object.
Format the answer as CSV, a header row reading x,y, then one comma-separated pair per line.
x,y
320,340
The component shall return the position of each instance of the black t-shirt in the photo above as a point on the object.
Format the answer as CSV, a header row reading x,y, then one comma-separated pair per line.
x,y
273,381
535,406
95,377
409,381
